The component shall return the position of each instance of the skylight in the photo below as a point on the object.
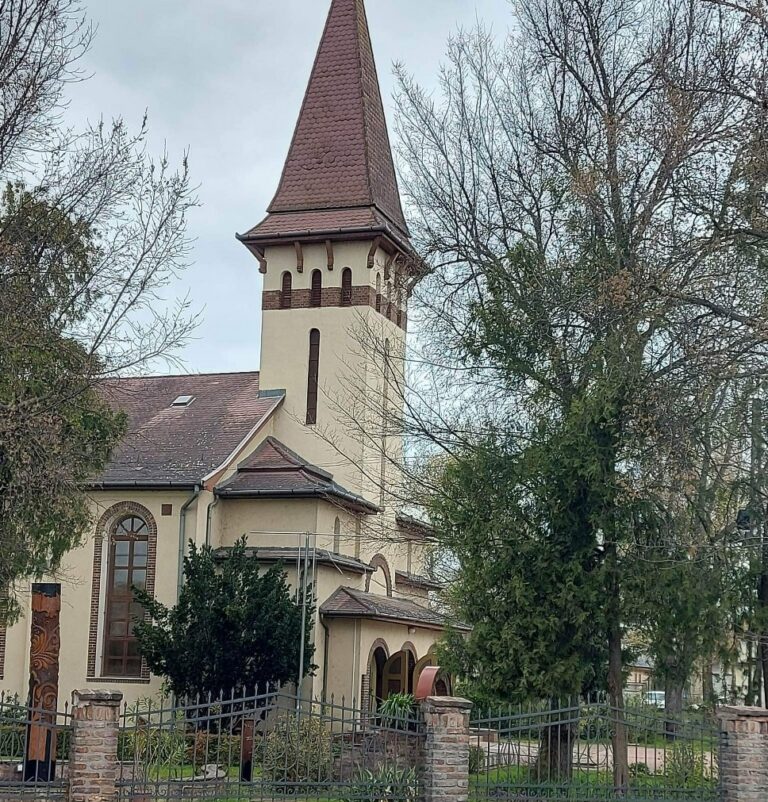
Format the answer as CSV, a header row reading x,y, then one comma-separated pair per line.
x,y
183,401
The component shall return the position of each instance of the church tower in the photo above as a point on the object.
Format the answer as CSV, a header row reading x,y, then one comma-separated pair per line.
x,y
336,259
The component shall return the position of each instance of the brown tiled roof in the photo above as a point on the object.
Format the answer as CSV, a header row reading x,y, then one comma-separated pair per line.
x,y
351,603
180,445
417,526
275,471
416,581
292,554
340,159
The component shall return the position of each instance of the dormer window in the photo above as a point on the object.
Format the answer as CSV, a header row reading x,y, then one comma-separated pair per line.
x,y
183,401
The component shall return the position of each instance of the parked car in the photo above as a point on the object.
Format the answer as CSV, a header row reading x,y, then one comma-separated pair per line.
x,y
655,699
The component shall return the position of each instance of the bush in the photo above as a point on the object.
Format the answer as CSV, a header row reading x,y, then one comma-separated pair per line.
x,y
639,770
685,768
298,749
476,759
384,785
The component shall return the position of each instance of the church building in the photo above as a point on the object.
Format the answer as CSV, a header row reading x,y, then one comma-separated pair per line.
x,y
299,456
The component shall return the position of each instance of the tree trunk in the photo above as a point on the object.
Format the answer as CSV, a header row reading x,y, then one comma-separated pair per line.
x,y
554,763
673,706
619,737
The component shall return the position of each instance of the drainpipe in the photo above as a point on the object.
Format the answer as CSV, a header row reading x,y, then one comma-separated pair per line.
x,y
327,640
183,537
213,504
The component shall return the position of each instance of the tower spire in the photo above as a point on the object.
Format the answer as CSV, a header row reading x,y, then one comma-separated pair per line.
x,y
339,175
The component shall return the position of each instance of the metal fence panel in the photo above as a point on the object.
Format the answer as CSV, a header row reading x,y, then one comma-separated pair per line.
x,y
564,751
22,726
267,746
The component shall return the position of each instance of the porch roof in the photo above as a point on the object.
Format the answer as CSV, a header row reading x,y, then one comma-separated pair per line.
x,y
350,603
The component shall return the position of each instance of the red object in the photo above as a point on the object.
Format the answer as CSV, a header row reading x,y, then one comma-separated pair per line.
x,y
427,680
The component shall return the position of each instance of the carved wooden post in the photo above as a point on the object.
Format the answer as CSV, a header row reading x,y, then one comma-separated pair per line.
x,y
45,642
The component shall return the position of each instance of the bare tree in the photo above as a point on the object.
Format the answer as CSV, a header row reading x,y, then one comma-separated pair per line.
x,y
92,231
591,196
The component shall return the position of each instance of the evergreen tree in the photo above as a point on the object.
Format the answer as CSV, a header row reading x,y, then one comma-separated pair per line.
x,y
233,628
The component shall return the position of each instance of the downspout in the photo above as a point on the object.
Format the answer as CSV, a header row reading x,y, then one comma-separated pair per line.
x,y
183,536
327,640
208,521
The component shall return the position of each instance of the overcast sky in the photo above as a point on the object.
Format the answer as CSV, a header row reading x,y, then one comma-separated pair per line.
x,y
225,79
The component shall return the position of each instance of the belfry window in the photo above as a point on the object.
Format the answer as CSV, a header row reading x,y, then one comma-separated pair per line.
x,y
313,376
316,293
346,287
128,554
286,291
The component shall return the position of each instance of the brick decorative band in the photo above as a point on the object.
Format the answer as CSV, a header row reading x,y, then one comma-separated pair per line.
x,y
331,297
106,526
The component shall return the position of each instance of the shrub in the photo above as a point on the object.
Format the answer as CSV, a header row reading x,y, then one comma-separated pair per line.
x,y
476,759
685,768
298,749
384,785
639,770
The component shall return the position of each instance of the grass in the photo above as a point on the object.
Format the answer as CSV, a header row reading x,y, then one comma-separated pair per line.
x,y
515,782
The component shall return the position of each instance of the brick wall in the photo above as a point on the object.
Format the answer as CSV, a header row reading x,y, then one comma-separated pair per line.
x,y
93,766
744,754
446,749
362,295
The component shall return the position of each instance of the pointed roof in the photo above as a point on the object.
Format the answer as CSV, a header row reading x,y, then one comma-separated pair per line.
x,y
339,174
275,471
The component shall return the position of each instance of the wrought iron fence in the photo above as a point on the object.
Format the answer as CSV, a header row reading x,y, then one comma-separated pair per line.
x,y
34,749
267,746
564,751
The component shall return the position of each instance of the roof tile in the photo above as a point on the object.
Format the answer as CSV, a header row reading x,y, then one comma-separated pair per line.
x,y
340,159
181,445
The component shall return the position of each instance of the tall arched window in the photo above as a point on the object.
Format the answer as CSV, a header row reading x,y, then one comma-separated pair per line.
x,y
346,287
337,536
286,291
378,292
316,293
389,300
128,553
313,376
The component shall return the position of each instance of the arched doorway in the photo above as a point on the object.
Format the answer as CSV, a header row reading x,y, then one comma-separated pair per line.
x,y
398,673
376,666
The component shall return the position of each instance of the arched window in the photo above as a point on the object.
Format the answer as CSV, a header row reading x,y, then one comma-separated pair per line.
x,y
286,291
378,292
337,536
389,300
316,293
128,554
346,287
313,376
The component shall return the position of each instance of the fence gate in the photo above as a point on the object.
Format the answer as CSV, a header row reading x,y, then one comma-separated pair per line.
x,y
564,751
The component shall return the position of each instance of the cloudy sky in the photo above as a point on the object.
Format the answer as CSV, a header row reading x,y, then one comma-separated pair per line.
x,y
225,79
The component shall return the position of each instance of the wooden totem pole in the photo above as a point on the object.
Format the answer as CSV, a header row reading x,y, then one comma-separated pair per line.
x,y
45,644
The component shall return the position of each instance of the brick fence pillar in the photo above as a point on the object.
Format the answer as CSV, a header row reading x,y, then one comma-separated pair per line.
x,y
446,749
93,767
744,754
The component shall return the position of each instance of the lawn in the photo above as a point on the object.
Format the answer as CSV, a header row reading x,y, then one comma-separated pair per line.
x,y
514,783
